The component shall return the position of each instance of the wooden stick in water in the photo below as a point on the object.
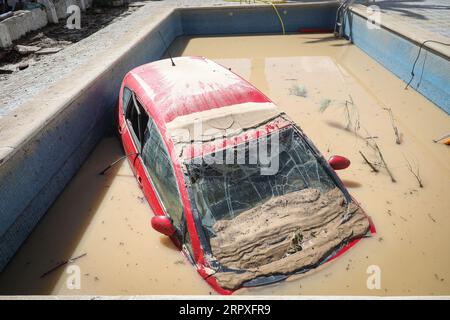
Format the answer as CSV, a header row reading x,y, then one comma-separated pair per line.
x,y
368,162
63,263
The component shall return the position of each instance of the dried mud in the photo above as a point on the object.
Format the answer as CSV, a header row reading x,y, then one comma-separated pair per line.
x,y
285,234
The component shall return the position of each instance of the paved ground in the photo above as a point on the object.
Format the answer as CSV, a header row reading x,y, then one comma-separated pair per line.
x,y
16,88
431,15
19,87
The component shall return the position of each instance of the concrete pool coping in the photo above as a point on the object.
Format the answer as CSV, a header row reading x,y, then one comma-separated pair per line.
x,y
408,31
44,143
66,90
405,51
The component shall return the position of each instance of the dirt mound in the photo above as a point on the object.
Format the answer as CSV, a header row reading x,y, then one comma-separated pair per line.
x,y
285,234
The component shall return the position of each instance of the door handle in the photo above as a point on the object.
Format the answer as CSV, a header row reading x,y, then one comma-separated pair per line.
x,y
120,129
139,179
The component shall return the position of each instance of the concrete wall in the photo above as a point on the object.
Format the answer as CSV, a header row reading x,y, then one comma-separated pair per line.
x,y
21,23
398,53
264,20
35,174
24,21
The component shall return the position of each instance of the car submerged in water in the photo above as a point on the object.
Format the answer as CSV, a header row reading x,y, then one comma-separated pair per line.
x,y
235,184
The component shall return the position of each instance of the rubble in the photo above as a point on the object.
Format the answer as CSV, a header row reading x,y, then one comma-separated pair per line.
x,y
48,50
22,49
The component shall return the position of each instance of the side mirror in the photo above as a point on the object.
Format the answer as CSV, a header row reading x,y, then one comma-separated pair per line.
x,y
339,162
163,225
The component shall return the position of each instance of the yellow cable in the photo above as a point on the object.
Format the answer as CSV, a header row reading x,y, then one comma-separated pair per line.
x,y
274,8
276,11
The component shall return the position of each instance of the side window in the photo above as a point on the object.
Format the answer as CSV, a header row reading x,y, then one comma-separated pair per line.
x,y
159,167
137,120
126,99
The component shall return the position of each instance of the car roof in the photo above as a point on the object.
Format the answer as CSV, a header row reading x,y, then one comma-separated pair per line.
x,y
194,84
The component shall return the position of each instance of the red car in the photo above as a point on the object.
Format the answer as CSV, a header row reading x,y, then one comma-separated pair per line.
x,y
231,180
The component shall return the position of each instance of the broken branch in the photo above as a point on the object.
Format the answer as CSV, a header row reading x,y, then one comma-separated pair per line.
x,y
63,263
442,138
368,162
384,163
396,132
415,174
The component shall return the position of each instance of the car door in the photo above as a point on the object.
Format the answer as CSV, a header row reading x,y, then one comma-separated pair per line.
x,y
159,171
132,133
151,164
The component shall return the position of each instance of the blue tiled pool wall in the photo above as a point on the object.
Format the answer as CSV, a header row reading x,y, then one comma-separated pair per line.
x,y
397,54
256,20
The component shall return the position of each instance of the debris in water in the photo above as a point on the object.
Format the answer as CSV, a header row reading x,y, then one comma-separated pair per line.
x,y
396,132
432,219
436,276
376,148
324,104
63,263
351,113
298,90
368,162
415,173
446,139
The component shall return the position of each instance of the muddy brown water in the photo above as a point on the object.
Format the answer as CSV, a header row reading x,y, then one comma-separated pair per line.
x,y
107,217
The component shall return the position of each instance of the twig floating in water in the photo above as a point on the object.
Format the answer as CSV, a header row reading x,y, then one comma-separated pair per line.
x,y
368,162
416,174
63,263
384,163
373,145
396,132
442,138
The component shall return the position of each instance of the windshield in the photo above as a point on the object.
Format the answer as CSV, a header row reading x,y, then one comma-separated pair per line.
x,y
222,191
